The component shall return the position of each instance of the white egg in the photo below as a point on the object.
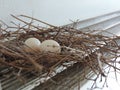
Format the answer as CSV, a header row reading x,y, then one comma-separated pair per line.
x,y
32,44
50,46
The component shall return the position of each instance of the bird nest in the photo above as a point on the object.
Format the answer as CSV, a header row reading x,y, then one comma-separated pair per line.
x,y
92,49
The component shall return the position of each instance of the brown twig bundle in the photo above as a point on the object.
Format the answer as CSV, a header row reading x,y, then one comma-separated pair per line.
x,y
93,50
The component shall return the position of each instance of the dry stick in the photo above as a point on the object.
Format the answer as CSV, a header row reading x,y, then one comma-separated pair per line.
x,y
9,51
38,20
105,82
39,67
90,64
29,26
24,21
3,23
15,66
51,68
100,64
17,27
112,66
59,30
115,43
36,65
11,54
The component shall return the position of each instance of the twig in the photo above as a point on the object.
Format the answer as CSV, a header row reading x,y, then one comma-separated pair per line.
x,y
38,20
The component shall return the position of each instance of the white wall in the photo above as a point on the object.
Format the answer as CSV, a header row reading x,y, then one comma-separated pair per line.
x,y
57,12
